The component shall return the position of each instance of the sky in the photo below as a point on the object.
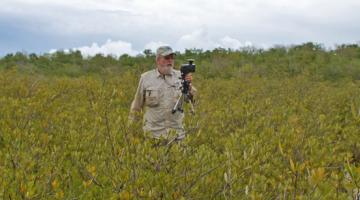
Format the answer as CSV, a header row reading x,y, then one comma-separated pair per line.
x,y
116,27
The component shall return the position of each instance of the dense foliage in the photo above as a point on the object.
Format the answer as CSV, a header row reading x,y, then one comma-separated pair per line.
x,y
309,59
277,124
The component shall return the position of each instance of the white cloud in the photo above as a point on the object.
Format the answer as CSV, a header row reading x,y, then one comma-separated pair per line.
x,y
197,39
154,45
200,39
228,42
202,24
115,48
251,18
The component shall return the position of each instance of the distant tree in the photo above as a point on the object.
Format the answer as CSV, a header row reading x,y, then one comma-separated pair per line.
x,y
148,53
33,57
76,57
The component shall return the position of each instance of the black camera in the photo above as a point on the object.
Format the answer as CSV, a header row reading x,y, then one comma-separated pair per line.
x,y
187,68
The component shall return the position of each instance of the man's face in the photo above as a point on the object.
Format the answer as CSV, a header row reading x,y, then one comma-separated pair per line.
x,y
165,63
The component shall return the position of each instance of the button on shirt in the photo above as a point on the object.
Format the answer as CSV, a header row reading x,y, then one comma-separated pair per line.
x,y
158,94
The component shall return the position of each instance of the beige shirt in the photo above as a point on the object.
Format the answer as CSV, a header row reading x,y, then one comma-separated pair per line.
x,y
158,94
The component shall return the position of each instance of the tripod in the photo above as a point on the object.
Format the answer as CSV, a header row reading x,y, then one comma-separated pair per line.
x,y
185,96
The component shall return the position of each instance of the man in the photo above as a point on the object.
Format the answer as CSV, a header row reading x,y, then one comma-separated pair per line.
x,y
157,93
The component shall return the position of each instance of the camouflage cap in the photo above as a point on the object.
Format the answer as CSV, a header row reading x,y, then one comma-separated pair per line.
x,y
164,51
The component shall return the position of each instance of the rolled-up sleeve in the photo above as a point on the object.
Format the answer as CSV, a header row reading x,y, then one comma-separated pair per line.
x,y
138,102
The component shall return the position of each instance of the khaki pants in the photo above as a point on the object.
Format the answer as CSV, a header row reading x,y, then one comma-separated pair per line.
x,y
166,133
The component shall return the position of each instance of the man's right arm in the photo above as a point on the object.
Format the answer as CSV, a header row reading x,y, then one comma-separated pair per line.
x,y
138,102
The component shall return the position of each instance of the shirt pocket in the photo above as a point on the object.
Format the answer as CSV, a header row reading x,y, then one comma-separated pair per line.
x,y
152,97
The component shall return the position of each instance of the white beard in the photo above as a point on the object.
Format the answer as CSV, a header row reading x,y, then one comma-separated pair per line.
x,y
167,70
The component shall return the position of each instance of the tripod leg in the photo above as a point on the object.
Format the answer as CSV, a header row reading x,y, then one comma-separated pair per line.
x,y
178,104
192,107
181,104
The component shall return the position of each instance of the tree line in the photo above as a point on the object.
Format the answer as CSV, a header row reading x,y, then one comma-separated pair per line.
x,y
308,59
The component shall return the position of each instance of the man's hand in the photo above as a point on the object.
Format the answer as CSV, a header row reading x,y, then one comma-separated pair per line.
x,y
189,78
